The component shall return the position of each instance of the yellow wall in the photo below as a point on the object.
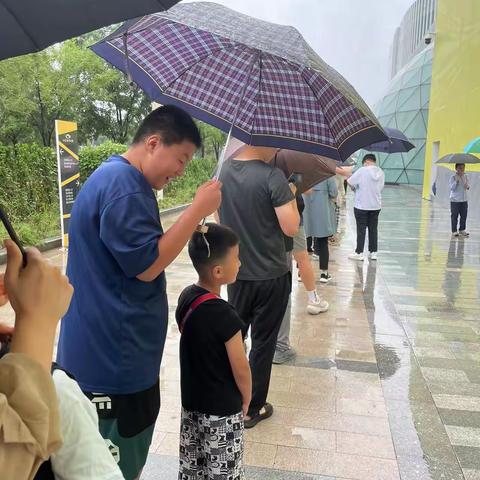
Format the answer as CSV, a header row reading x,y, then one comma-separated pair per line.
x,y
454,117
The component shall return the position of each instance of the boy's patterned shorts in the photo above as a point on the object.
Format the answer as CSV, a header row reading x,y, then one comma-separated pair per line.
x,y
211,447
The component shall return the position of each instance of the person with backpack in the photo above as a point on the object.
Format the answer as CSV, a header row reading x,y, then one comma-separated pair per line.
x,y
216,382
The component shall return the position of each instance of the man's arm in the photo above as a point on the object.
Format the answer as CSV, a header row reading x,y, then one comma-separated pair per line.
x,y
206,201
288,218
453,182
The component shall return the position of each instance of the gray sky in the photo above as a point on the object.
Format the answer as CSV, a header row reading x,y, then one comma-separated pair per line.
x,y
353,36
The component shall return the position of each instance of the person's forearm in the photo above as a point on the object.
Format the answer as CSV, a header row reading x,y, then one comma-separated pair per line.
x,y
296,212
37,345
243,379
172,242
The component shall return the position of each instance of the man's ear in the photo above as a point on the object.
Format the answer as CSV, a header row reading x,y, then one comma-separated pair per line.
x,y
152,142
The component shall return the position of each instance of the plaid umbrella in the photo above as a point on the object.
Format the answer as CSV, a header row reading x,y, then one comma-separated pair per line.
x,y
259,81
397,142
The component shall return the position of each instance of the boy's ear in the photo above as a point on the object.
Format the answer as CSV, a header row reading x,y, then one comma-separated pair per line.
x,y
217,271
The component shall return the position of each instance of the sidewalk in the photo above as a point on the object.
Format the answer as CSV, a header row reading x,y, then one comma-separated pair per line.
x,y
386,384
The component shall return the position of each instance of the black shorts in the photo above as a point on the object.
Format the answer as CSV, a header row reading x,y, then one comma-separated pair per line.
x,y
127,423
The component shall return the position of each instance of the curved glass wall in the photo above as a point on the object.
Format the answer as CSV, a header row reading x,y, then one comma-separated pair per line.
x,y
405,107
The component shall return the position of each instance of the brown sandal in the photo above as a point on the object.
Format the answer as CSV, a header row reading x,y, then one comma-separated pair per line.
x,y
265,412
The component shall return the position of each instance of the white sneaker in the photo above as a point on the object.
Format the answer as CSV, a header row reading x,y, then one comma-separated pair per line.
x,y
356,256
319,306
463,233
315,256
373,255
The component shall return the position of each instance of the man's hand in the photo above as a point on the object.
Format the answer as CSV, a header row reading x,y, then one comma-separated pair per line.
x,y
208,198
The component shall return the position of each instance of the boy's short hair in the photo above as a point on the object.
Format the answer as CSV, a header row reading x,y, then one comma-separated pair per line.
x,y
459,165
369,156
220,240
172,123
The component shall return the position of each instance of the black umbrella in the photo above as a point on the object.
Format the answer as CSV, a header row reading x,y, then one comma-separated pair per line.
x,y
28,26
397,143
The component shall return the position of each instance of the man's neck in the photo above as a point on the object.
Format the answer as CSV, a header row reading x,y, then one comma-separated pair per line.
x,y
133,156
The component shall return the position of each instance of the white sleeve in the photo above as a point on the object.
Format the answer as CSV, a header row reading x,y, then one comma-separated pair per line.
x,y
354,178
84,453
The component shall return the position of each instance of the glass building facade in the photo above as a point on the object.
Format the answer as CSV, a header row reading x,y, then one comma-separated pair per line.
x,y
406,102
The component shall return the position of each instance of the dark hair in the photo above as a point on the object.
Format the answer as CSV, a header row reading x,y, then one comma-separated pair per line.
x,y
369,156
220,240
172,123
458,165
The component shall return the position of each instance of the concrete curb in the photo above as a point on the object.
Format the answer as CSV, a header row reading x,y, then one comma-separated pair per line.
x,y
56,242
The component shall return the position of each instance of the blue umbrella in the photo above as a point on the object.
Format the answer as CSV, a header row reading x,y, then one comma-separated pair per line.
x,y
473,146
397,143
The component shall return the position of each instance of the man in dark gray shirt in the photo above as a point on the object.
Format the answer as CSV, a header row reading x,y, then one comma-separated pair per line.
x,y
258,203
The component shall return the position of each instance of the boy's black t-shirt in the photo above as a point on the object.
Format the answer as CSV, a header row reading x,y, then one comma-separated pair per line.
x,y
207,381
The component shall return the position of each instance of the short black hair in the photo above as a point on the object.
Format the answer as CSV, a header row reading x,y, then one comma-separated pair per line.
x,y
172,123
220,240
369,156
458,165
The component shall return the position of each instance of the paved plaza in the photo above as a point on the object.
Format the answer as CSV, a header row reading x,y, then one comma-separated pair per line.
x,y
386,384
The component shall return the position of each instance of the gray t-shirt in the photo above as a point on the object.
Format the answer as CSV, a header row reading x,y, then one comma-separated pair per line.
x,y
251,191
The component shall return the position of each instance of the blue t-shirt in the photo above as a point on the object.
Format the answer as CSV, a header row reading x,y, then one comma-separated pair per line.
x,y
113,334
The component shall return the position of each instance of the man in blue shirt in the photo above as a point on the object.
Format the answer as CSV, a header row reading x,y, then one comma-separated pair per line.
x,y
458,200
113,335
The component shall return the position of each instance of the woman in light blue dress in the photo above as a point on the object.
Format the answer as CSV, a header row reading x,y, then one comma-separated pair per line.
x,y
320,222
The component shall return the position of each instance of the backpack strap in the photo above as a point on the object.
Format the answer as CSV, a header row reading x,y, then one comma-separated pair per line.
x,y
195,304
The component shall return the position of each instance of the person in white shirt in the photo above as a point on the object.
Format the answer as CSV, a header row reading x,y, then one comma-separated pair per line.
x,y
459,187
367,183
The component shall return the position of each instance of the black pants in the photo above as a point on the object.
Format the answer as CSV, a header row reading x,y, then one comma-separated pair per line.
x,y
310,244
261,305
459,209
321,249
367,219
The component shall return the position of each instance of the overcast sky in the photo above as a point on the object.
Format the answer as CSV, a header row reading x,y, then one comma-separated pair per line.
x,y
353,36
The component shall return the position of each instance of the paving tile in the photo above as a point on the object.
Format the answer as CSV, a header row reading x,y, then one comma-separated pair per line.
x,y
466,436
292,436
367,445
457,402
421,468
471,474
468,457
259,454
460,418
356,406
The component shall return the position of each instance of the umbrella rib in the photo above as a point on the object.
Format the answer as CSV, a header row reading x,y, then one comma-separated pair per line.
x,y
37,46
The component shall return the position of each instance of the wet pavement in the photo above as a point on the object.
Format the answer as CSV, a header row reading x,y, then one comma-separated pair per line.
x,y
386,384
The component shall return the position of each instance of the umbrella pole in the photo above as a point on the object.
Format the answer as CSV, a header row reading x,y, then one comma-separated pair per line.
x,y
221,161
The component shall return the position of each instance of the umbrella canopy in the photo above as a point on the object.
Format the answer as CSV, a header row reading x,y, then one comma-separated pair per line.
x,y
458,158
314,168
28,26
397,142
232,70
473,146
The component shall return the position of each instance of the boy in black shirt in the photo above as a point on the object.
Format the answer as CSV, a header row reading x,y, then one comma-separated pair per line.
x,y
215,375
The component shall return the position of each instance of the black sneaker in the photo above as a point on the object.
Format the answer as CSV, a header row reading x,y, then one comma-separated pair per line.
x,y
325,277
